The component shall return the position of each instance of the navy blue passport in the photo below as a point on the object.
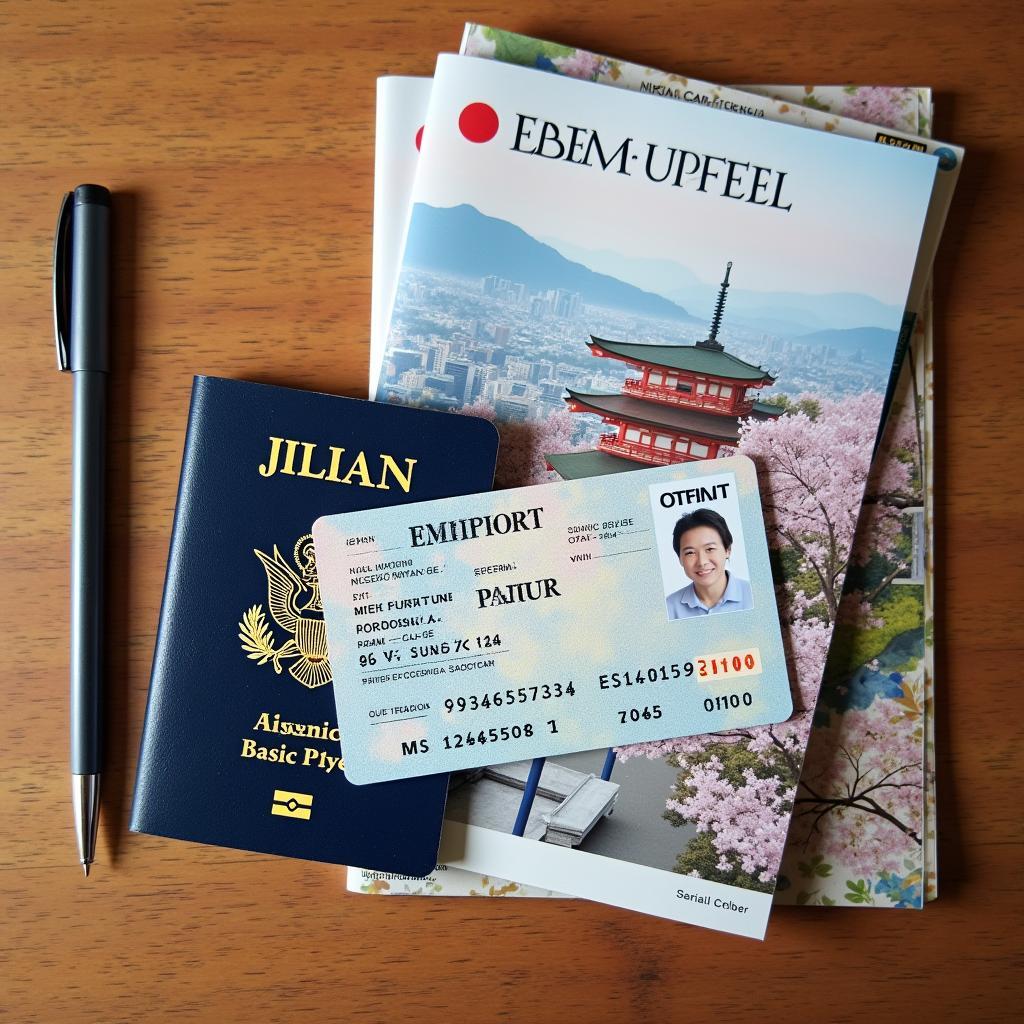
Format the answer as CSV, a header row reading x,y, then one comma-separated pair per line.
x,y
240,746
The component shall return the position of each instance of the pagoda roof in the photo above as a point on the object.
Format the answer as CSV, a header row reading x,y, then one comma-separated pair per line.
x,y
579,465
767,410
671,417
692,358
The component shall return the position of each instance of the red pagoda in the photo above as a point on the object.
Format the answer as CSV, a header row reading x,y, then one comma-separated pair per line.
x,y
686,404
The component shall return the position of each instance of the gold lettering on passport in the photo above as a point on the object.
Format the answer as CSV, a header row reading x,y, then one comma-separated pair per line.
x,y
281,459
307,459
282,753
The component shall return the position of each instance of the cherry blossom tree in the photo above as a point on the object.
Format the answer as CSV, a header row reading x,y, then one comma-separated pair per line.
x,y
740,797
864,774
812,474
859,806
739,787
523,445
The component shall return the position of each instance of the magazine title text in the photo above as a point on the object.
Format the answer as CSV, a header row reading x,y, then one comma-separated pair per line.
x,y
681,168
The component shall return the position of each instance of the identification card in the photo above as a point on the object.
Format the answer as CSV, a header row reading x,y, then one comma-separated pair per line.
x,y
550,619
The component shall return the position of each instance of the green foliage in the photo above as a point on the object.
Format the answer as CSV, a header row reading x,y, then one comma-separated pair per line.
x,y
904,545
512,48
860,891
852,646
810,100
910,458
867,577
815,867
802,579
702,857
811,407
806,898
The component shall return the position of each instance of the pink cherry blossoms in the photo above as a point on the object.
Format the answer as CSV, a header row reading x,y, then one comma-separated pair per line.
x,y
870,790
885,105
738,787
813,473
748,821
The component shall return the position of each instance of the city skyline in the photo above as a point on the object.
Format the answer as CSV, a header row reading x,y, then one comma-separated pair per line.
x,y
454,341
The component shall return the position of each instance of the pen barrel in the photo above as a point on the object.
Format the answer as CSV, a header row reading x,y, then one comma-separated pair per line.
x,y
90,280
89,361
88,487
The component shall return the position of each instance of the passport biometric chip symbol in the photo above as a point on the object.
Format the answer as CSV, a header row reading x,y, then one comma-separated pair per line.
x,y
292,805
294,602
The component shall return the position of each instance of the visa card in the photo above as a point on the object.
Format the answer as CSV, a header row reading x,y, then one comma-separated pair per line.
x,y
544,620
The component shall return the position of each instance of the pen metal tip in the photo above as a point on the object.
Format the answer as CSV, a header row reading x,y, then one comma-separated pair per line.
x,y
85,868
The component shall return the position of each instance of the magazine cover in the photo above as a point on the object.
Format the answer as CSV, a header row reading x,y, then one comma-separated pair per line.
x,y
452,345
861,116
870,113
823,871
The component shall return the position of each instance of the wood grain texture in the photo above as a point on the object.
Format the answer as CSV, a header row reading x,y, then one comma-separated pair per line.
x,y
238,138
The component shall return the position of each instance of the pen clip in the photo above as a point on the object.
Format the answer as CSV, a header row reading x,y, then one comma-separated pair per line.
x,y
62,279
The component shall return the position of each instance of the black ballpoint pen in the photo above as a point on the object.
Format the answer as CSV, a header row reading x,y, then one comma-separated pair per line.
x,y
81,306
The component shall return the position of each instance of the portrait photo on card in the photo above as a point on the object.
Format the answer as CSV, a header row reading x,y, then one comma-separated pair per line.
x,y
701,552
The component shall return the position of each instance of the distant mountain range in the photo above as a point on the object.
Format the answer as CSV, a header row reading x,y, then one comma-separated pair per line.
x,y
462,241
786,314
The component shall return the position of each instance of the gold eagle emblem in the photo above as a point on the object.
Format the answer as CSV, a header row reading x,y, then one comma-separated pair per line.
x,y
294,601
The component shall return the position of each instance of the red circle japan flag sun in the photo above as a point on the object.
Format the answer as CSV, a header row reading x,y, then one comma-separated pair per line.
x,y
478,122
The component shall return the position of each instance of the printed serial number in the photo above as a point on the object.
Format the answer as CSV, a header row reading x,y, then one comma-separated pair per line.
x,y
637,677
729,663
460,645
725,701
640,714
523,695
471,739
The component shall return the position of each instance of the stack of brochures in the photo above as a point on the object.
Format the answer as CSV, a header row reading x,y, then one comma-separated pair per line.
x,y
624,269
679,660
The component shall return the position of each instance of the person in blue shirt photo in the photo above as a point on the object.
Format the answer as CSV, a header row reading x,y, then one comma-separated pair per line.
x,y
702,542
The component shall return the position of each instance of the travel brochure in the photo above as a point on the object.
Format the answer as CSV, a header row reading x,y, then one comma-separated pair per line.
x,y
502,345
860,852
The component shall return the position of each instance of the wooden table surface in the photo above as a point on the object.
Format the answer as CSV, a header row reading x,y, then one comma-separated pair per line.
x,y
239,140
